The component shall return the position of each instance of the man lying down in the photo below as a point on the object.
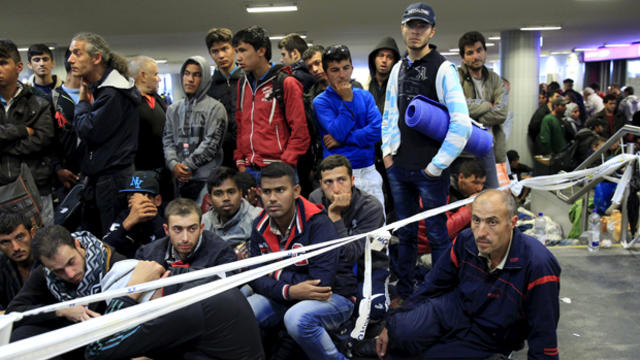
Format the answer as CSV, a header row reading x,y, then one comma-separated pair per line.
x,y
219,327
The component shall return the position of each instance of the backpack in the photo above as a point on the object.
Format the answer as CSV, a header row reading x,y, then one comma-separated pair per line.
x,y
314,153
565,159
21,195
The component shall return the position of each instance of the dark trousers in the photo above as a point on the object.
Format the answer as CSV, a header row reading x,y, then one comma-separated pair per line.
x,y
102,200
407,187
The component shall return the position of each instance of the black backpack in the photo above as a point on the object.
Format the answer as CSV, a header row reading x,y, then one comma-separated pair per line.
x,y
314,153
565,159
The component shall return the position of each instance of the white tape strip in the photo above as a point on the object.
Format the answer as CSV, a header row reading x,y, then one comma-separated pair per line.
x,y
74,336
63,340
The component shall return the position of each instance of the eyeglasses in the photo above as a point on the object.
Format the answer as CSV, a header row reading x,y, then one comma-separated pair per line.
x,y
336,49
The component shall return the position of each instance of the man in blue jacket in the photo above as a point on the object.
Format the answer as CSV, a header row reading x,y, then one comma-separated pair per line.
x,y
312,296
349,121
106,121
495,288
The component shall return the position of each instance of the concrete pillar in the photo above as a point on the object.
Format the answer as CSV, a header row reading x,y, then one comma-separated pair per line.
x,y
520,59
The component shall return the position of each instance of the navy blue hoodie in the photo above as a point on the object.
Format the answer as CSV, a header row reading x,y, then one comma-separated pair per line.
x,y
109,125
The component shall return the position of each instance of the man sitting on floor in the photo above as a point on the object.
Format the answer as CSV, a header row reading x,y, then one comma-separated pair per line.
x,y
495,288
198,331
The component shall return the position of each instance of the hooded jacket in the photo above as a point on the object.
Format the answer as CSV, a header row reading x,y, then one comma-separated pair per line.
x,y
224,89
27,109
311,226
199,121
265,134
491,116
237,229
379,92
109,126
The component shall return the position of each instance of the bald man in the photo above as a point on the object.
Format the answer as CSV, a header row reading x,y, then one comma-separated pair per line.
x,y
495,288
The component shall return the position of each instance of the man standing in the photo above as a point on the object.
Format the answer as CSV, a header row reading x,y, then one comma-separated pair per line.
x,y
194,131
312,296
576,97
291,48
144,71
185,243
16,261
381,60
267,131
230,216
552,138
614,119
106,120
486,99
26,129
224,84
72,266
629,105
496,288
416,164
349,121
533,130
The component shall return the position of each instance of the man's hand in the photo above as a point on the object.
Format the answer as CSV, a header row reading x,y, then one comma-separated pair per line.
x,y
30,131
84,91
426,171
382,341
309,290
339,203
145,271
141,210
330,142
67,178
77,313
181,172
252,196
345,91
388,161
242,168
242,252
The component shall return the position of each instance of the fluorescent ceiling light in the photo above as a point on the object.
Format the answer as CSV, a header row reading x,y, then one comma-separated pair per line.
x,y
450,53
490,44
585,49
616,45
560,52
453,50
540,28
272,8
26,48
494,38
280,37
161,61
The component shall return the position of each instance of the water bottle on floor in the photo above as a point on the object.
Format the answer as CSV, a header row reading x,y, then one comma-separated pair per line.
x,y
594,230
540,228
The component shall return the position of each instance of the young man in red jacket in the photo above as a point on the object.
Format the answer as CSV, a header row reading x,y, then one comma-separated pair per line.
x,y
268,131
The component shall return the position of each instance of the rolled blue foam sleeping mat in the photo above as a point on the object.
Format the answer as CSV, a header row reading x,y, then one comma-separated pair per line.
x,y
432,119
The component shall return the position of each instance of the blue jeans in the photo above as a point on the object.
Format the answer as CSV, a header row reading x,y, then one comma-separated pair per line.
x,y
307,321
489,164
406,186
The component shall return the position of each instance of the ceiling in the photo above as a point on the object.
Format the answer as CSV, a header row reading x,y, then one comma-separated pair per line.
x,y
174,30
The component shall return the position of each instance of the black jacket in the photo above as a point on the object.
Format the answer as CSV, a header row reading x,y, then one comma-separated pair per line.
x,y
211,251
379,91
219,327
16,146
10,281
302,74
35,294
109,126
128,242
225,90
150,153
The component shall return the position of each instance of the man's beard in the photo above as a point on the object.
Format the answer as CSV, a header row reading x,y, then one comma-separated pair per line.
x,y
419,47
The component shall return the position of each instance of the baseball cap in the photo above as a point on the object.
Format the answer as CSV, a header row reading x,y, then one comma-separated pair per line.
x,y
419,11
559,101
143,181
118,278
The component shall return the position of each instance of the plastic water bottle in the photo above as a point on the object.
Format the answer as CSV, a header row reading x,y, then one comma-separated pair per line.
x,y
540,228
185,151
594,229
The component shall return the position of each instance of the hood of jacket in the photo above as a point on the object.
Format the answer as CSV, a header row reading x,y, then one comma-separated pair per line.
x,y
112,78
56,80
386,43
206,77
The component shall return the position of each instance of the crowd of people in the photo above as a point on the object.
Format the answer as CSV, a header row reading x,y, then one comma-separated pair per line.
x,y
259,157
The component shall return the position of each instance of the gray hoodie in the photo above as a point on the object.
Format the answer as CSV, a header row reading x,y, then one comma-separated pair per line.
x,y
199,121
